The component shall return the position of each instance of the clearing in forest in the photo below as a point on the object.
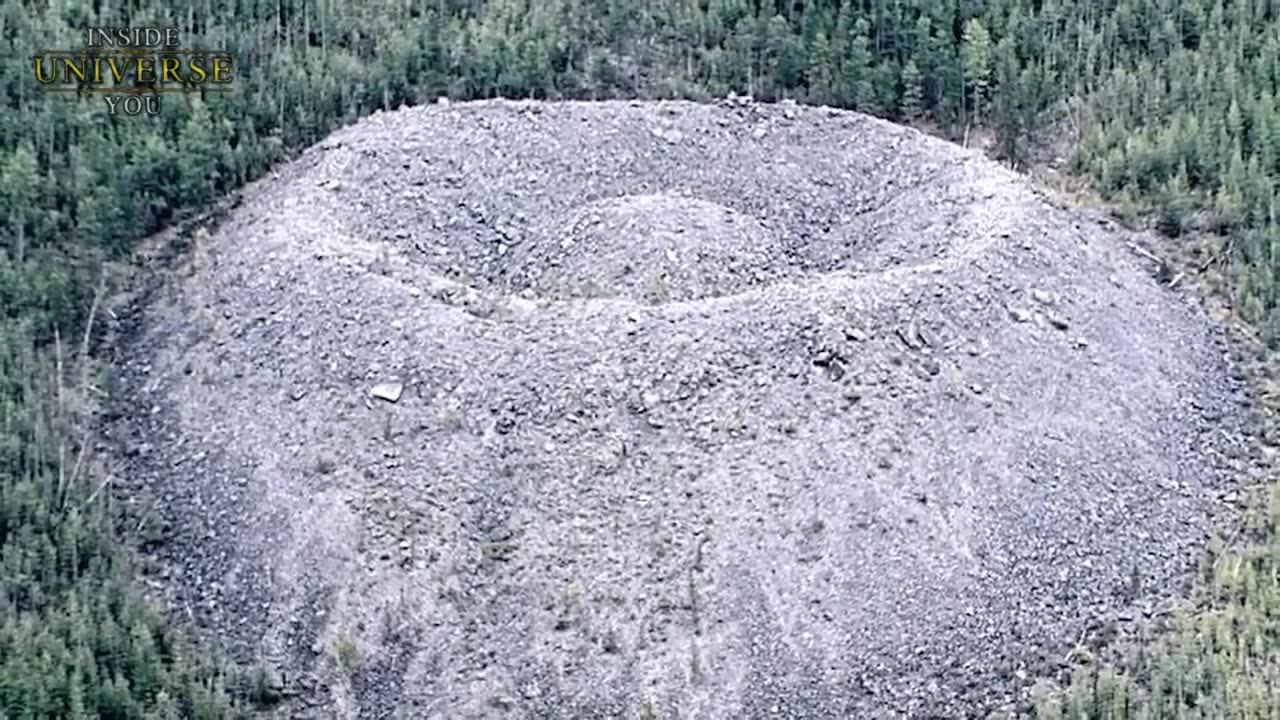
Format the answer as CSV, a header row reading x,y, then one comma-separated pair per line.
x,y
605,409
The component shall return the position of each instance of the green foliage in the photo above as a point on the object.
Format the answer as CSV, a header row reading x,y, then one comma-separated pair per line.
x,y
1220,660
913,92
975,59
347,655
74,640
1174,102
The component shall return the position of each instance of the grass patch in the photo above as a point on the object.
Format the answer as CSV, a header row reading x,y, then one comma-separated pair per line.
x,y
347,655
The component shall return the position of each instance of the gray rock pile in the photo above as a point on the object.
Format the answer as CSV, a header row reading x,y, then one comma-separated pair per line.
x,y
669,410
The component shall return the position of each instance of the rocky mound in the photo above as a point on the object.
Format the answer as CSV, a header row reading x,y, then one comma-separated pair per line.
x,y
653,248
668,410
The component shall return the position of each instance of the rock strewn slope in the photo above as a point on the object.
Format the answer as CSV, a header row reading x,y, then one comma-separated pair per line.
x,y
699,411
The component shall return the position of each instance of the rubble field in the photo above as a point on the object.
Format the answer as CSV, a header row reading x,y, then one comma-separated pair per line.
x,y
669,410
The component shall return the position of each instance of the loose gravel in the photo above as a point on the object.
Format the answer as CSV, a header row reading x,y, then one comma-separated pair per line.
x,y
579,410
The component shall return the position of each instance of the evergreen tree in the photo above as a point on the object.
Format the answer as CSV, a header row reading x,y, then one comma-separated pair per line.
x,y
198,164
976,61
17,192
856,72
884,89
912,92
1174,102
822,64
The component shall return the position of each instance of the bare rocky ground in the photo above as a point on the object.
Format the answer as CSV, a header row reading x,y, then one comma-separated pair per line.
x,y
668,410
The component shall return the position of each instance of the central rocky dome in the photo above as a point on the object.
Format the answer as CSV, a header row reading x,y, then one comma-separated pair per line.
x,y
667,410
651,248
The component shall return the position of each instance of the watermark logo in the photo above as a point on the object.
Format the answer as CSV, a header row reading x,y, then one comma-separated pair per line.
x,y
133,67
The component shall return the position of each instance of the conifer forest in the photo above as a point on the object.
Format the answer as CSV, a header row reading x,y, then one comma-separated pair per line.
x,y
1167,111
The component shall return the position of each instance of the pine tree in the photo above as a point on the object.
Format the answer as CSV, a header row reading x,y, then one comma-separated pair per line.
x,y
785,56
17,195
1009,101
884,84
144,661
821,70
1262,127
1174,101
604,74
1235,121
164,708
1229,203
912,92
856,75
975,58
534,74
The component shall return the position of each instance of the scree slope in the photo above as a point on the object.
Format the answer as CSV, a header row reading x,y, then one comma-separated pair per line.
x,y
668,410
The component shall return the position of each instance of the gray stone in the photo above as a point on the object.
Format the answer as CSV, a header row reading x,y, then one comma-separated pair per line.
x,y
390,391
710,272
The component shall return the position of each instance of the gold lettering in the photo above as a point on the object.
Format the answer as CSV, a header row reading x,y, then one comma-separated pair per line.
x,y
40,74
218,68
116,70
197,69
69,68
146,64
169,70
